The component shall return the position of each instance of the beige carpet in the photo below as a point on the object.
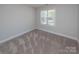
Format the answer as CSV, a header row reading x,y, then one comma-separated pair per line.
x,y
39,42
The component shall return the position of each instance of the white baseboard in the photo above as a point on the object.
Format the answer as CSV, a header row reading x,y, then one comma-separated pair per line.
x,y
14,36
10,38
74,38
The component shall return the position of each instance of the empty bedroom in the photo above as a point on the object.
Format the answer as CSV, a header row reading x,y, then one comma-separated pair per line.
x,y
39,29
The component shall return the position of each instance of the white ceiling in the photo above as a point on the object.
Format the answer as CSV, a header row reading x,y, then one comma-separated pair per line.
x,y
36,5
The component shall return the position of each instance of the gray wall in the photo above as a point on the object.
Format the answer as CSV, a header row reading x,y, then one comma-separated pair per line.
x,y
66,20
15,19
78,22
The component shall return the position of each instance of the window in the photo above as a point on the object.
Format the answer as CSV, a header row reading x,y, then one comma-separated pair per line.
x,y
48,17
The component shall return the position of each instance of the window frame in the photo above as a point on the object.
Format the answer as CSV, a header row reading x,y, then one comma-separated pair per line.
x,y
47,23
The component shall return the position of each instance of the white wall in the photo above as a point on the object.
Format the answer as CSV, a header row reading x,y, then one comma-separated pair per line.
x,y
15,19
66,20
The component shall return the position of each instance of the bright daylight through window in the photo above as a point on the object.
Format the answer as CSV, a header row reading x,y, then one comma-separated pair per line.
x,y
48,17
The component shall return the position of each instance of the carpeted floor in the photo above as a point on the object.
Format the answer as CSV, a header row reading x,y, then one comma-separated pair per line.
x,y
39,42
